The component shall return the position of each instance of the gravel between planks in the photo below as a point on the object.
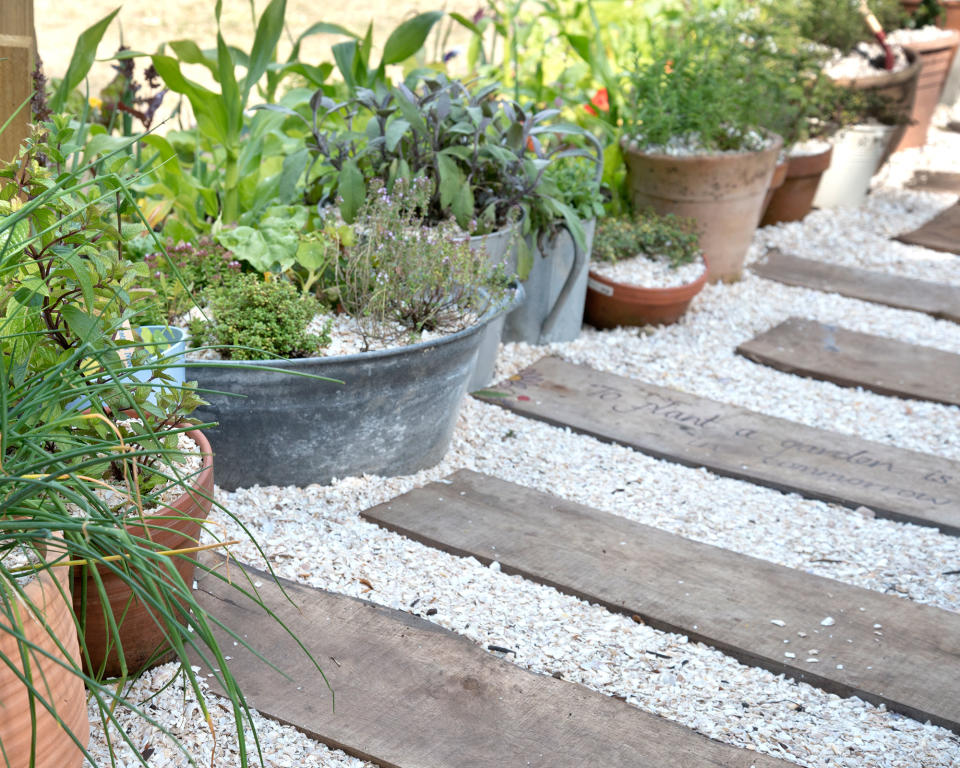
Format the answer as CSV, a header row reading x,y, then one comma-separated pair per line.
x,y
314,534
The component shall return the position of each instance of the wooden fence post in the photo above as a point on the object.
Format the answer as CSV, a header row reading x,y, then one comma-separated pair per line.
x,y
18,45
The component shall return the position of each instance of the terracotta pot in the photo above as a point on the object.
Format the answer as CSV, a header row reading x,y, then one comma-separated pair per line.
x,y
794,199
952,8
724,193
54,747
936,57
899,87
142,639
779,176
611,304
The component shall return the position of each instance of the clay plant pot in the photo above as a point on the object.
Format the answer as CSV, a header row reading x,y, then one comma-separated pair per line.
x,y
61,687
724,193
794,199
952,8
779,176
900,88
611,304
143,641
936,56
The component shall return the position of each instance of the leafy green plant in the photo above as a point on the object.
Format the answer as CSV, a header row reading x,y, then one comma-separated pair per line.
x,y
259,319
839,23
67,291
927,13
670,238
707,82
405,276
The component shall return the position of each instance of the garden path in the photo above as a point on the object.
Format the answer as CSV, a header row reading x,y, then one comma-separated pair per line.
x,y
941,233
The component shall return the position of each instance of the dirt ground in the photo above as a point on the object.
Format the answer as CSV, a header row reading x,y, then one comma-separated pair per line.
x,y
144,24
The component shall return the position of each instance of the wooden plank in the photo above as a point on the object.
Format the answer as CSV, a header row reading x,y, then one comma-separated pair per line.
x,y
410,694
735,442
17,47
936,299
851,359
880,648
935,181
941,233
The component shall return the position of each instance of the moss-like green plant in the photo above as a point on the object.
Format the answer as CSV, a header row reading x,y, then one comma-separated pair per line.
x,y
261,318
670,238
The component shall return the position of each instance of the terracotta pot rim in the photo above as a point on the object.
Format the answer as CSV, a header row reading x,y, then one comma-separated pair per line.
x,y
950,39
649,295
809,165
776,144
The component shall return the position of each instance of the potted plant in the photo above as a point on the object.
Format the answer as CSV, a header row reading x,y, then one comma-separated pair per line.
x,y
693,142
485,157
936,48
645,270
70,445
399,307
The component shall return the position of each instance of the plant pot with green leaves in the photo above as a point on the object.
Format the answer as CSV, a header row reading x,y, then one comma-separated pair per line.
x,y
693,138
486,158
84,456
862,58
352,354
645,270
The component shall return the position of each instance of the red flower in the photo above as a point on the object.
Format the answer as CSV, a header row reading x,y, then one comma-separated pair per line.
x,y
600,100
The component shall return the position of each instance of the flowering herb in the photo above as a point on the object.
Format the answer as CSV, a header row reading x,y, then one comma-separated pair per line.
x,y
668,238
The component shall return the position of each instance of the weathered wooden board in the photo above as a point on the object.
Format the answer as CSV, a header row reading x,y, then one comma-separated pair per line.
x,y
937,299
880,648
941,233
410,694
732,441
935,181
851,359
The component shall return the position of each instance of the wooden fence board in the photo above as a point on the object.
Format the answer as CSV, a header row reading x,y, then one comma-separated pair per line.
x,y
735,442
936,299
851,359
17,46
881,648
410,694
941,233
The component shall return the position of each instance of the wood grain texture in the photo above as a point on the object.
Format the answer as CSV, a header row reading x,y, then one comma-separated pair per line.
x,y
410,694
852,359
936,299
735,442
910,663
935,181
17,46
941,233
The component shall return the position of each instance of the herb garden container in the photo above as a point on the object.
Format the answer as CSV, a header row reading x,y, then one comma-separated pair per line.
x,y
794,199
779,177
178,526
554,291
900,88
387,412
723,192
498,248
60,686
936,57
610,303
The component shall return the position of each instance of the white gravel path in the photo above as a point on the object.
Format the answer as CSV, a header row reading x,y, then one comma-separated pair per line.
x,y
314,535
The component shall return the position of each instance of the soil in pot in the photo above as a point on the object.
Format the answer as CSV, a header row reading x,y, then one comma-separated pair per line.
x,y
611,303
176,527
794,199
723,192
936,56
54,746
